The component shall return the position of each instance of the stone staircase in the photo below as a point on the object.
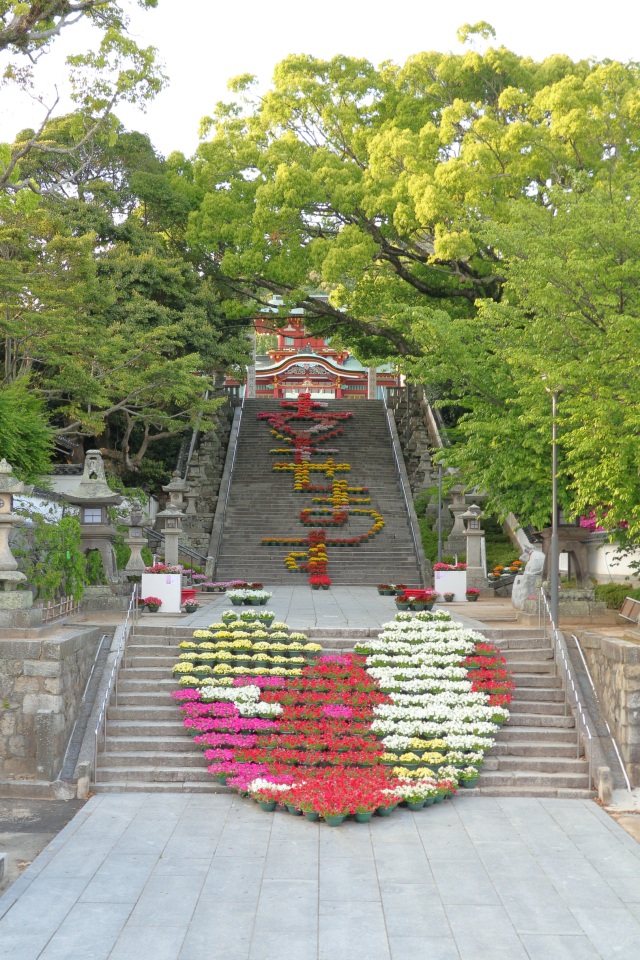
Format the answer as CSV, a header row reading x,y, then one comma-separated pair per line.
x,y
262,503
147,748
537,751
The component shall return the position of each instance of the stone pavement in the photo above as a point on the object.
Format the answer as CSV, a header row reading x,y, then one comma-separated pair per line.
x,y
211,877
303,608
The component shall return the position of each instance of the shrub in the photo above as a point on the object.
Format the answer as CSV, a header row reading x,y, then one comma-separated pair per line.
x,y
614,594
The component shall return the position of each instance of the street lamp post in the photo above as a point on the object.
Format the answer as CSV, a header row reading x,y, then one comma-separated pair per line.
x,y
555,553
439,513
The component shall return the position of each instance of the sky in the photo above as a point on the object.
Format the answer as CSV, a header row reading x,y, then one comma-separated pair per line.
x,y
203,44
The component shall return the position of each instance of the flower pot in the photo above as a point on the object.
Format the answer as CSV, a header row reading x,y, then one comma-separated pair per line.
x,y
190,609
418,805
470,783
267,805
402,606
293,810
238,603
335,821
152,607
439,798
472,597
311,815
429,801
385,811
363,817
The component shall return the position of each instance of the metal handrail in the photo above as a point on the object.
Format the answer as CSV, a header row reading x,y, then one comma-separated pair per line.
x,y
562,669
223,519
128,628
404,491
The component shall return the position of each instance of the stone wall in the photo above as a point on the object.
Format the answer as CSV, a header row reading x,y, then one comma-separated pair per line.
x,y
204,476
614,665
41,685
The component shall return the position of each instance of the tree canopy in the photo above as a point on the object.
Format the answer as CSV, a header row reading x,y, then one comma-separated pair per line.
x,y
472,216
117,323
116,70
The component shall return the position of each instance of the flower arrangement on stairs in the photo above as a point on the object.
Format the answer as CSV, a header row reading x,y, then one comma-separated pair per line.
x,y
303,426
405,719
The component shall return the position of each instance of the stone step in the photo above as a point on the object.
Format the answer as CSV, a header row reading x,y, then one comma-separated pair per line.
x,y
529,667
565,765
513,731
518,778
529,643
538,694
146,712
524,748
139,727
539,707
119,741
536,681
540,720
529,654
152,773
146,759
186,786
555,791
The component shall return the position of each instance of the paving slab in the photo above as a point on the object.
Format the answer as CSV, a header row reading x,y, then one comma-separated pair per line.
x,y
124,879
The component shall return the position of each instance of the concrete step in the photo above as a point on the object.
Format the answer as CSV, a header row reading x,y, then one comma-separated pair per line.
x,y
146,712
138,727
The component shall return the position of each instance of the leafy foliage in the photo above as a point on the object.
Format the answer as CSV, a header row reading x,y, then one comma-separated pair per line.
x,y
472,216
54,563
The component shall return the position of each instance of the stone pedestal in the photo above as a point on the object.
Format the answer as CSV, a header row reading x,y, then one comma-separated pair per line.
x,y
17,610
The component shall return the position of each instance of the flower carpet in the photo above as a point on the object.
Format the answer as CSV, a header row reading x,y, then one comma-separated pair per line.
x,y
303,425
407,718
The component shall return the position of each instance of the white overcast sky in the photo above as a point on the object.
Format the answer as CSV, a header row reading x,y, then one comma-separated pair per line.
x,y
203,44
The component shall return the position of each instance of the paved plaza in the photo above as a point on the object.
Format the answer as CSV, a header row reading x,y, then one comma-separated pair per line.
x,y
212,877
340,607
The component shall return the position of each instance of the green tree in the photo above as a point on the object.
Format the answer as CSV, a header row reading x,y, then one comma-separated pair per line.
x,y
119,324
115,70
471,216
26,440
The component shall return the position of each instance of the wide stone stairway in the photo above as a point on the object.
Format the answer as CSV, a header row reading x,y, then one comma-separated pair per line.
x,y
262,503
147,749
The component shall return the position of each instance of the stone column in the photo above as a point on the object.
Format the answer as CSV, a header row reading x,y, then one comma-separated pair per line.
x,y
372,384
476,576
456,541
251,382
172,517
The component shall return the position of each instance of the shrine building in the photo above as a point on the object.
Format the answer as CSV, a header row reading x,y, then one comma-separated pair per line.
x,y
297,362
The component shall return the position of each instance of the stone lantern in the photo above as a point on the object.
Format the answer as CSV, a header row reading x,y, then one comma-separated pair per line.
x,y
136,542
16,606
476,574
10,576
192,496
93,495
456,541
175,490
171,531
